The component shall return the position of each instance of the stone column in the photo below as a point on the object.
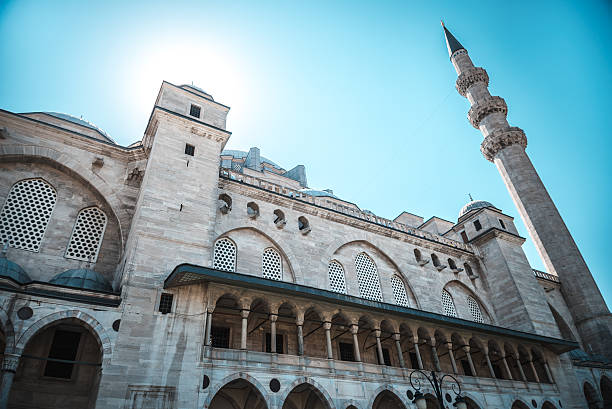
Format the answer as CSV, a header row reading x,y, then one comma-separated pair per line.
x,y
548,373
418,353
451,356
489,365
327,326
244,330
8,368
398,345
381,357
273,318
300,337
535,373
507,368
434,355
208,325
466,348
520,367
354,331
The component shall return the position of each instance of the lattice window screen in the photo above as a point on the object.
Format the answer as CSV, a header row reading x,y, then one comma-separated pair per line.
x,y
337,281
449,305
87,235
25,214
367,275
225,255
475,309
399,291
272,266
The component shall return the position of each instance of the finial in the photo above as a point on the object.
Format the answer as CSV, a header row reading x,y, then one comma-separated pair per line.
x,y
470,195
442,22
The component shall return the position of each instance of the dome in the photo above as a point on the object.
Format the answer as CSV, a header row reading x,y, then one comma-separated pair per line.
x,y
82,278
14,271
320,193
473,205
79,121
242,154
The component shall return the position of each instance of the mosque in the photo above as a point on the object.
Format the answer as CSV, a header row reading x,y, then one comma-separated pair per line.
x,y
175,274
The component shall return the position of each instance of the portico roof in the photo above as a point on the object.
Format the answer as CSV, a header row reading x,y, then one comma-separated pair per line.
x,y
187,274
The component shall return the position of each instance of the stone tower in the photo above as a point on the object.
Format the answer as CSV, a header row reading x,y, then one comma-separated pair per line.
x,y
505,146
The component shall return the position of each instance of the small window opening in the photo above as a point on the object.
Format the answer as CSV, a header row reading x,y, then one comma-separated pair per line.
x,y
451,264
413,360
417,255
64,346
303,225
477,225
468,270
195,111
220,337
279,219
386,357
165,303
189,149
252,210
225,203
464,237
502,224
347,353
466,367
435,260
279,343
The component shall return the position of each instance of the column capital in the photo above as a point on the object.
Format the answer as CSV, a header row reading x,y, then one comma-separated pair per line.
x,y
327,325
273,317
397,336
377,333
466,348
354,329
10,363
299,321
245,313
500,139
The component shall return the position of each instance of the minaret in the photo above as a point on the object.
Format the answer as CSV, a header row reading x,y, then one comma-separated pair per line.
x,y
505,146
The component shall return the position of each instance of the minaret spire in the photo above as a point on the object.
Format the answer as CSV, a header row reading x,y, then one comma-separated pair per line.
x,y
504,145
451,42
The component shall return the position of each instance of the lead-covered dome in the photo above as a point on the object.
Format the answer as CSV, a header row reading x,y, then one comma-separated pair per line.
x,y
13,270
82,278
473,205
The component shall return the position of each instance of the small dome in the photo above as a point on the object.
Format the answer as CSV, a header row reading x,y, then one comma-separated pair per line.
x,y
320,193
473,205
236,154
79,121
14,271
82,278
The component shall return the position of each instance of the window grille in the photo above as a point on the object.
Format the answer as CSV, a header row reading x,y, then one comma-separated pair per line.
x,y
165,303
224,257
337,281
477,225
195,111
87,235
189,150
25,214
399,291
347,352
475,309
64,347
449,305
271,265
367,275
220,337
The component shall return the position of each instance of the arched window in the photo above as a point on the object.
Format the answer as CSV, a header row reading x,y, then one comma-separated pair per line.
x,y
367,275
448,304
224,257
468,270
271,264
337,280
399,291
26,213
417,255
475,309
435,260
451,264
87,235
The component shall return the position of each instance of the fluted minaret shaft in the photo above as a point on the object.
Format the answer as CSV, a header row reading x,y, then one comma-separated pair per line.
x,y
505,146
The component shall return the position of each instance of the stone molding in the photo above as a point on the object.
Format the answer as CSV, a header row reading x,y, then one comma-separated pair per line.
x,y
480,110
470,77
500,139
10,363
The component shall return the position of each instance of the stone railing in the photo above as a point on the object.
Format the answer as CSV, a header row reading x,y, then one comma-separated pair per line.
x,y
347,210
546,276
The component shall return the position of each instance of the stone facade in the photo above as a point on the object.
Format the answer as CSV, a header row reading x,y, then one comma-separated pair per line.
x,y
223,281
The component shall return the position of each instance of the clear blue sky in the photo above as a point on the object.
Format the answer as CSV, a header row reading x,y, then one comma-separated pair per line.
x,y
362,93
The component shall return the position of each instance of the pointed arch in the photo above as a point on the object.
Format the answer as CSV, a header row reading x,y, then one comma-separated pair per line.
x,y
388,389
475,310
317,388
399,291
249,382
461,290
336,277
87,234
225,253
448,304
367,277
